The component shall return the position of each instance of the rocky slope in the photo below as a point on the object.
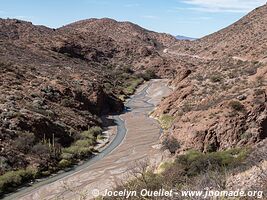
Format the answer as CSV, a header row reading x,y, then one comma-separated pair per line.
x,y
107,41
220,101
245,39
56,83
220,96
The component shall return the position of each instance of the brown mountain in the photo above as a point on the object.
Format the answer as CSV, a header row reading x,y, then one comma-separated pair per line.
x,y
219,103
245,39
219,100
56,83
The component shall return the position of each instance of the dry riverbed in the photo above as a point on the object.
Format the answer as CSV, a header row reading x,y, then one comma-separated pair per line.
x,y
140,142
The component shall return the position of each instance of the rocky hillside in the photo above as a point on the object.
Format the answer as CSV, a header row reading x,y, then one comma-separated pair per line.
x,y
220,97
246,39
107,41
219,103
56,83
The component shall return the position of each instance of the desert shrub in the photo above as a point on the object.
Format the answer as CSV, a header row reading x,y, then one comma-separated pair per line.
x,y
45,112
174,175
149,180
24,142
67,102
128,70
91,132
84,143
192,170
78,151
166,121
196,163
236,106
40,149
100,137
187,107
216,78
131,85
250,71
82,147
64,163
67,156
171,144
13,179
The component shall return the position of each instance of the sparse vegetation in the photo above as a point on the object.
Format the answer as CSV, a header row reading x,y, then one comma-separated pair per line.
x,y
188,171
236,106
83,147
166,121
125,80
216,78
13,179
47,100
64,163
24,142
196,163
131,85
171,144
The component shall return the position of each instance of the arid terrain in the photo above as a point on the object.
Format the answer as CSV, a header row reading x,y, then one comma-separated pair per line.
x,y
219,102
114,167
57,83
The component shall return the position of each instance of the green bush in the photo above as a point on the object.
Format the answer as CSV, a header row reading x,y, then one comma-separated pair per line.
x,y
67,156
187,171
84,143
196,163
78,151
166,121
13,179
64,163
131,85
82,147
92,132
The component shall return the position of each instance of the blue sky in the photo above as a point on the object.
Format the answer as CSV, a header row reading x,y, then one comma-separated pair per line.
x,y
193,18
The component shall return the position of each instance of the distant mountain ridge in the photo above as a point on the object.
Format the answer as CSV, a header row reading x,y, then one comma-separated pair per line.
x,y
181,37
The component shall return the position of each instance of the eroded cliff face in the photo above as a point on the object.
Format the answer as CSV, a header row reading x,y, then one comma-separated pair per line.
x,y
212,111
